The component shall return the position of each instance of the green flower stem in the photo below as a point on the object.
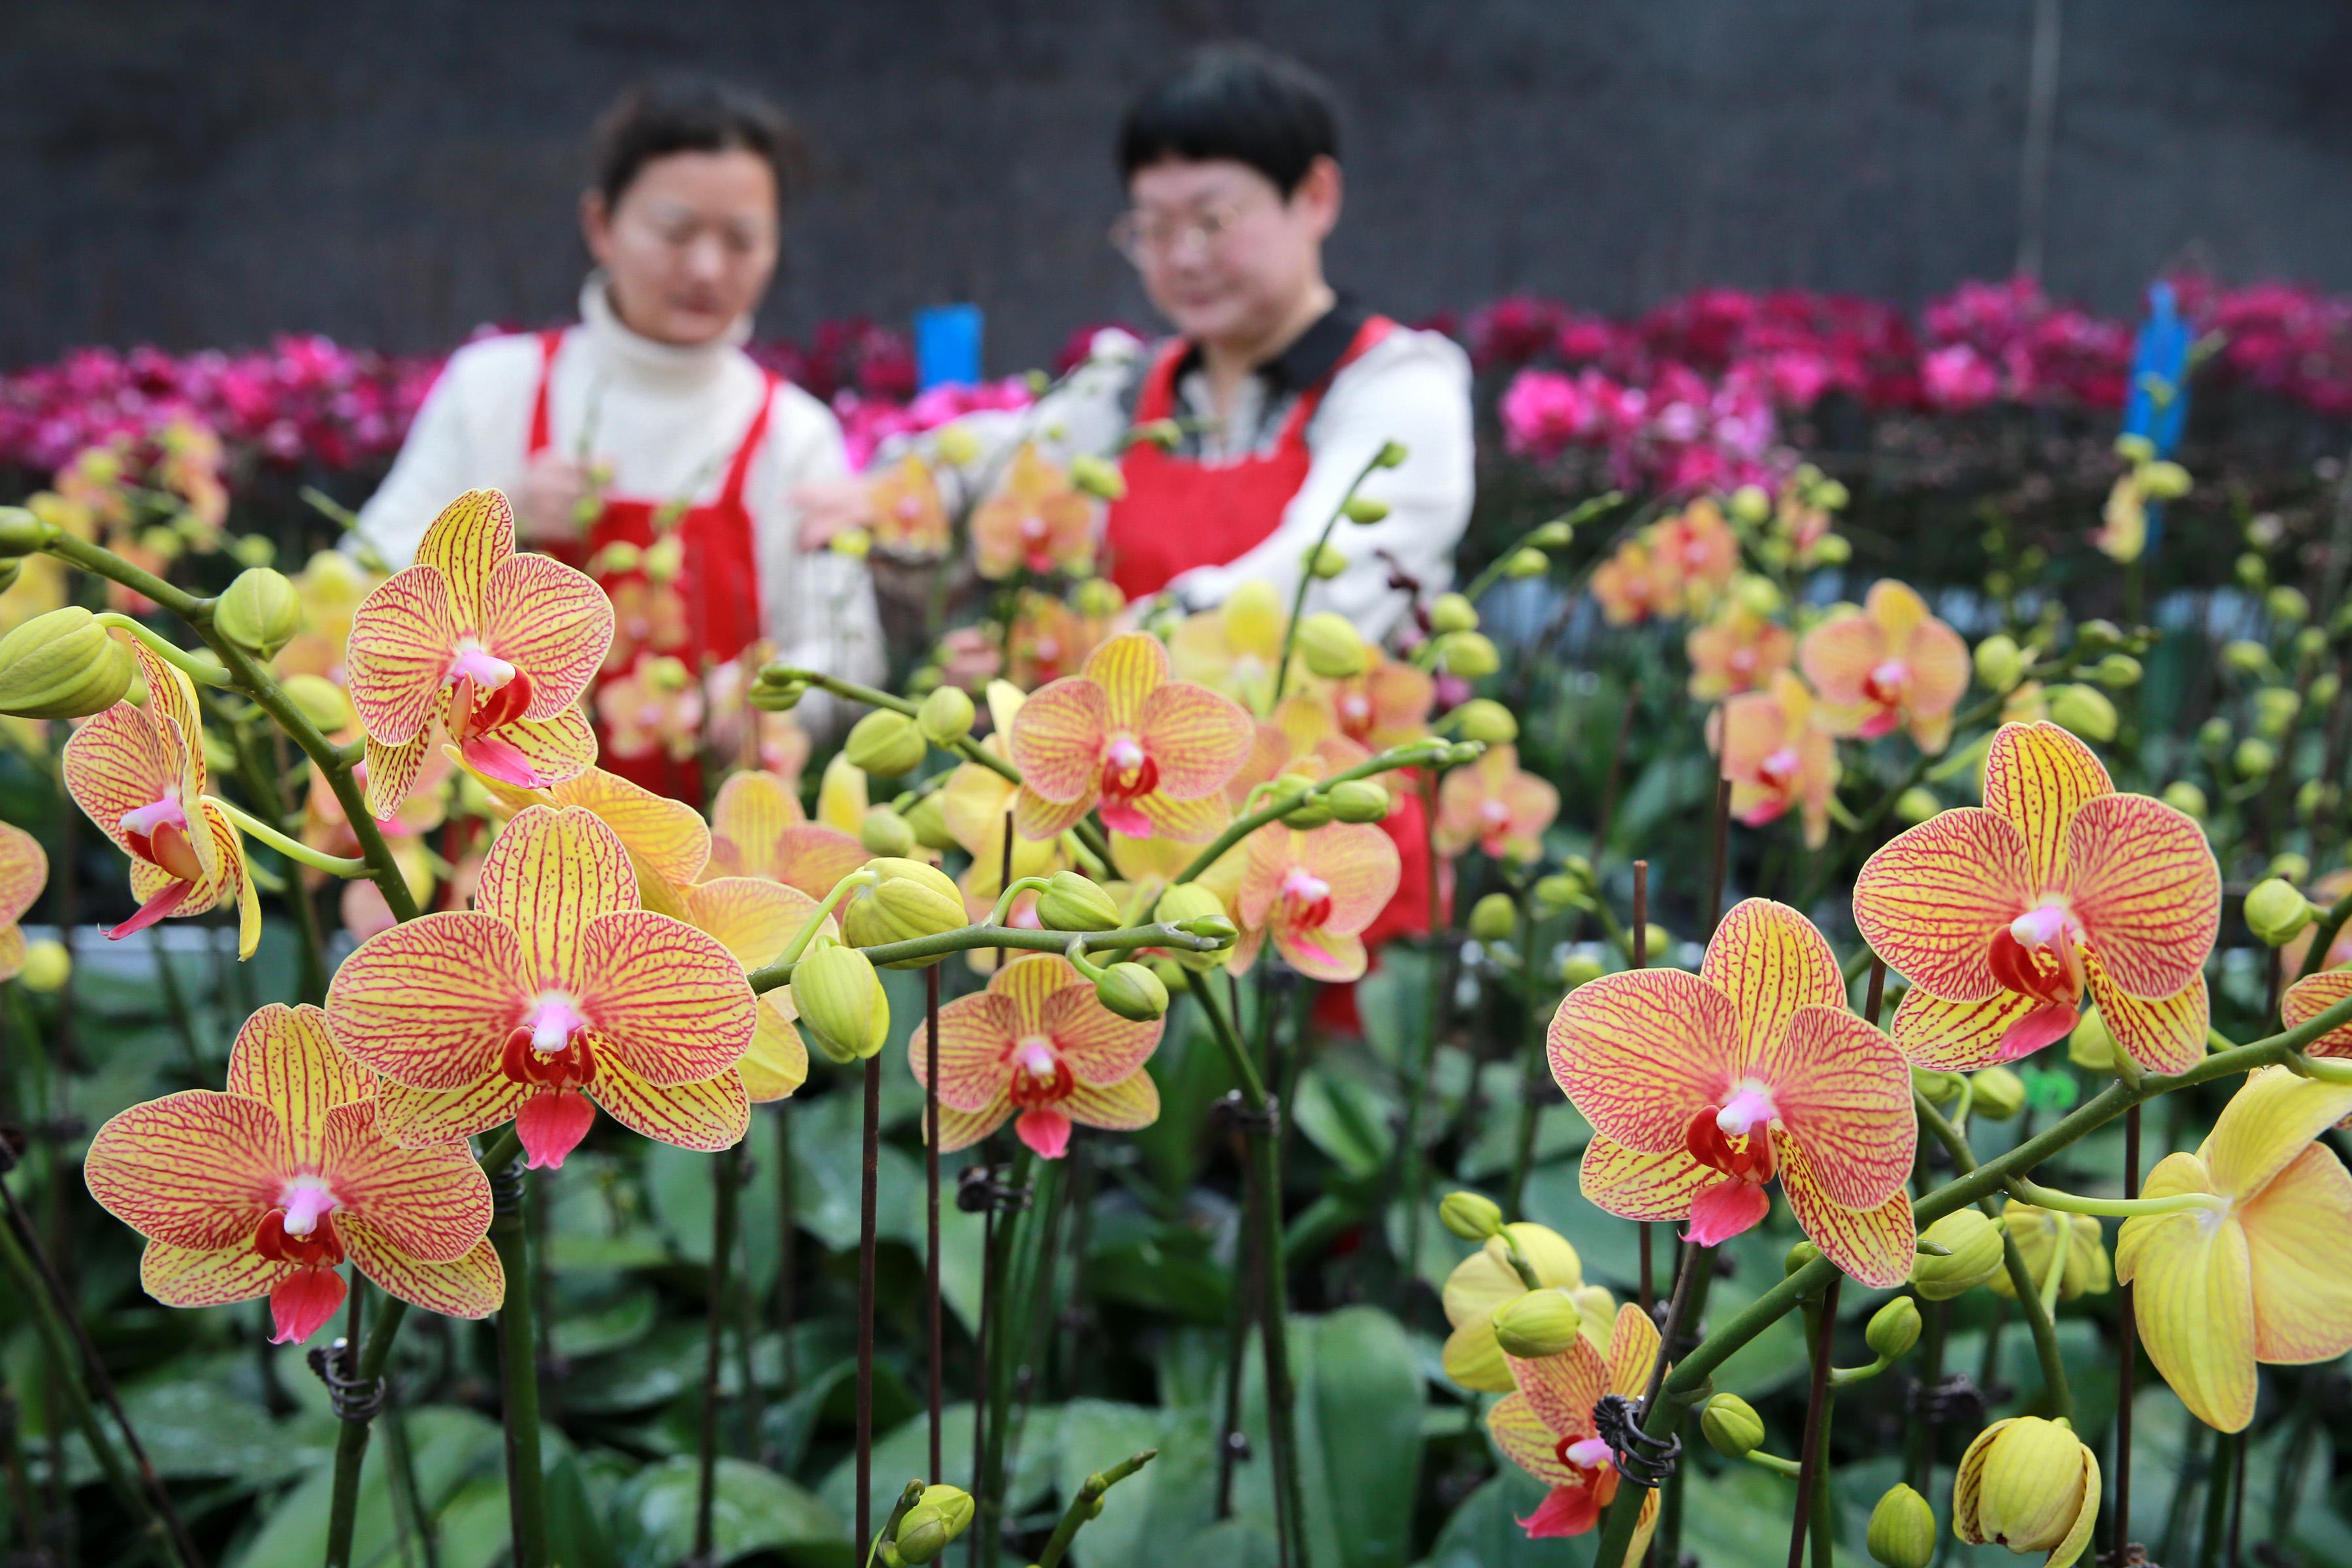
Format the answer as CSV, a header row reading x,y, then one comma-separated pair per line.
x,y
1013,890
2114,1208
2324,933
333,762
1086,1502
262,782
908,1498
1772,1462
964,939
1584,513
815,922
352,1439
725,1187
292,848
2324,1069
1290,1507
1307,577
1815,1514
518,1368
1418,1061
1019,1265
1847,1376
1532,1069
1413,754
202,671
1974,1185
1685,1309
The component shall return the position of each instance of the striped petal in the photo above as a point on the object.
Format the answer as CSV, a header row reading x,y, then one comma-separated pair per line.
x,y
1129,669
429,1003
473,534
1930,901
1321,953
777,1063
962,1128
751,809
976,1036
12,952
432,1204
670,1002
286,1059
2192,1293
1876,1247
1633,1345
1957,1037
237,879
752,917
2142,879
1034,817
1196,738
1528,1441
196,1169
2166,1034
473,1286
709,1116
403,639
393,771
815,858
2309,998
1029,982
1838,654
1100,1046
668,835
2038,776
23,870
1361,866
115,763
1121,1107
1185,821
2267,1124
1057,739
1641,1186
1770,961
549,750
1562,1389
420,1118
1642,1052
1843,1090
551,623
2302,1292
208,1277
550,872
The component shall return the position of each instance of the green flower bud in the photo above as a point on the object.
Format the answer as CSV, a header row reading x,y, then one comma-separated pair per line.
x,y
1972,1255
908,902
2085,710
2163,480
2290,607
885,832
1939,1088
1331,645
1759,596
1657,940
2252,570
1560,892
21,532
2247,657
1894,1329
884,742
327,705
2254,758
1557,534
1311,813
2135,450
2308,643
2091,1046
1732,1427
63,665
1357,800
260,612
928,819
2094,634
2186,798
840,1002
1918,804
1902,1530
1071,902
946,716
2275,708
1470,655
1097,477
2275,912
779,699
1392,455
1537,1324
1750,505
1458,753
1365,510
1452,613
1164,434
2000,1094
1184,903
1831,550
938,1516
1803,1253
2295,868
2315,798
1471,1215
1132,992
1528,562
2213,736
1324,561
1494,917
1578,969
2117,671
48,965
2035,1230
1488,721
2000,663
2325,689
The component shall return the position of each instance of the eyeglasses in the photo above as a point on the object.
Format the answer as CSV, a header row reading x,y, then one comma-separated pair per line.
x,y
1149,236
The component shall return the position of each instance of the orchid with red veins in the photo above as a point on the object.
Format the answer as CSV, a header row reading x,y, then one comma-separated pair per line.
x,y
1702,1089
1778,756
556,989
139,773
1312,894
1036,522
1547,1426
1497,805
2003,918
1152,753
492,646
758,830
268,1188
1889,664
24,871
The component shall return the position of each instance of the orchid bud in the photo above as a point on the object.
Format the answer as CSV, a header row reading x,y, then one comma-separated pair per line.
x,y
2096,633
885,742
665,558
1918,804
1484,720
2275,912
2275,708
1758,594
2186,798
907,901
616,560
2326,687
1799,1255
1097,598
1132,992
1494,917
2036,1483
1071,902
885,832
1831,550
1560,892
2315,798
938,1516
1732,1427
1473,1217
2091,1046
2290,607
1357,800
47,966
1893,1329
2118,672
2084,709
955,445
1999,1094
1537,1324
1557,534
2000,663
63,665
1939,1088
946,716
1191,901
1392,455
1452,613
2163,480
1902,1530
2135,450
1470,655
326,705
781,697
2246,657
1331,645
1324,561
21,532
1527,562
1750,505
1972,1253
1165,434
2035,1231
2254,758
260,612
1578,969
840,1002
1364,510
1657,941
1097,477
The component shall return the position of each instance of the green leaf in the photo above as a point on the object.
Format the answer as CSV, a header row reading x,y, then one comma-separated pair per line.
x,y
754,1509
1485,1531
195,1427
1346,1119
453,1448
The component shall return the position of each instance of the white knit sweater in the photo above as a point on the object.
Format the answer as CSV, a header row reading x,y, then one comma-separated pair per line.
x,y
666,421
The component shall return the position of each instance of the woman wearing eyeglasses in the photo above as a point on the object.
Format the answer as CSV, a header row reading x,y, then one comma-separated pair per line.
x,y
645,443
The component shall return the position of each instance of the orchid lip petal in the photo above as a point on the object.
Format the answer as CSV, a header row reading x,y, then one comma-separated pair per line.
x,y
306,1200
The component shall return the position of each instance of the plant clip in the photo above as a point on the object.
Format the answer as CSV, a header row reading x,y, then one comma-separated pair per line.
x,y
1956,1400
982,1189
1235,1109
1648,1460
353,1398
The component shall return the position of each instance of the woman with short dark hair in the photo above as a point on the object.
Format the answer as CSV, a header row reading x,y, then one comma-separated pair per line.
x,y
645,442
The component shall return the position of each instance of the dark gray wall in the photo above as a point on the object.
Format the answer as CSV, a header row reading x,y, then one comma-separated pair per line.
x,y
197,173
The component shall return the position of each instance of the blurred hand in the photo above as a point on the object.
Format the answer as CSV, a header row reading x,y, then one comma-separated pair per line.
x,y
830,506
546,503
968,658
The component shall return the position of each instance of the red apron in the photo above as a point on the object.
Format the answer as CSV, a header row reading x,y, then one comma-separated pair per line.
x,y
1179,513
718,583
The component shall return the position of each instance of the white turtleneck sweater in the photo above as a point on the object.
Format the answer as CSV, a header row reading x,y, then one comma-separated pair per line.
x,y
667,421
